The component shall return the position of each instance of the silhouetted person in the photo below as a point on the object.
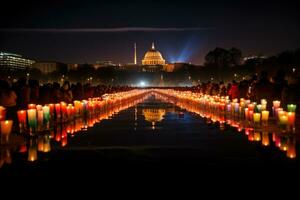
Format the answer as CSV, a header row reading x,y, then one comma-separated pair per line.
x,y
264,89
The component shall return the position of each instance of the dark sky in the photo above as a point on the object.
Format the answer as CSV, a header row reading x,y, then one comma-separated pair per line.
x,y
86,29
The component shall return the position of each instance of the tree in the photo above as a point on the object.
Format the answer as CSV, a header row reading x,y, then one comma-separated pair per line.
x,y
236,56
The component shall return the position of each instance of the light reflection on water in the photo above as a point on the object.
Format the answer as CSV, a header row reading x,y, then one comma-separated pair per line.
x,y
154,109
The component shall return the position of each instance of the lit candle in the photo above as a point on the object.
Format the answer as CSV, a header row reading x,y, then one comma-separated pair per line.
x,y
31,106
2,113
263,102
246,114
40,116
256,117
291,107
257,136
291,151
276,104
284,144
47,145
39,107
32,151
57,111
265,139
228,107
264,116
32,121
6,127
259,108
63,107
40,143
46,112
250,114
236,107
22,119
51,107
263,107
291,118
283,119
250,106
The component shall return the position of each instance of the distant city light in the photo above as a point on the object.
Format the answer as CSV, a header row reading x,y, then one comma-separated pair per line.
x,y
142,84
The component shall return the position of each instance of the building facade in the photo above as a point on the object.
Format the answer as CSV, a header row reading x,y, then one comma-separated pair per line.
x,y
47,67
13,62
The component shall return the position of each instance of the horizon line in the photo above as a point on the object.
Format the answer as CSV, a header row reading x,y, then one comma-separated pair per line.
x,y
99,30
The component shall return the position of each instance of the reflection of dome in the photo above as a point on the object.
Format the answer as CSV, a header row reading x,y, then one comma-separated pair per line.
x,y
154,114
153,57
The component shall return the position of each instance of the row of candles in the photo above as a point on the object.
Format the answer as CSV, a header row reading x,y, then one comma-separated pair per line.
x,y
37,118
62,131
240,110
284,142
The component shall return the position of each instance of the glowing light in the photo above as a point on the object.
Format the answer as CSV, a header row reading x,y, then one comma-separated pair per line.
x,y
142,84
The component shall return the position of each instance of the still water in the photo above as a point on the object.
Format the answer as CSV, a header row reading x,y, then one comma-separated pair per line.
x,y
147,132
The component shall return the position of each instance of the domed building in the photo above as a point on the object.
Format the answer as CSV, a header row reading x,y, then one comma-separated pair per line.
x,y
153,57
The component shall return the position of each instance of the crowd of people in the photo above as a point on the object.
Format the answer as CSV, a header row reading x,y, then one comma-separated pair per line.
x,y
257,88
18,95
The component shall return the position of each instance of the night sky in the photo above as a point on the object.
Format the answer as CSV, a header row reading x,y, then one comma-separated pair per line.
x,y
77,32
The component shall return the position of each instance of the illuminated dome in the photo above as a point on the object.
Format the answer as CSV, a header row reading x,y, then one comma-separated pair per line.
x,y
153,114
153,57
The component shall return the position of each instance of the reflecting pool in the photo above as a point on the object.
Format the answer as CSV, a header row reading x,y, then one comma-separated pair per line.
x,y
150,131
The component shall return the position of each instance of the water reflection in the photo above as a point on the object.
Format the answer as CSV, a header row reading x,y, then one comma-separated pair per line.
x,y
282,140
59,133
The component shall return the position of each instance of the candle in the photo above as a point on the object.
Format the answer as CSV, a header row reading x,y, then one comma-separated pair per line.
x,y
291,118
291,151
263,102
265,139
236,107
40,143
39,107
46,112
32,121
47,144
250,114
40,116
32,151
291,107
258,108
284,144
283,119
57,110
51,107
63,107
6,127
256,117
257,136
228,107
246,114
250,106
264,116
31,106
2,113
22,119
276,104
